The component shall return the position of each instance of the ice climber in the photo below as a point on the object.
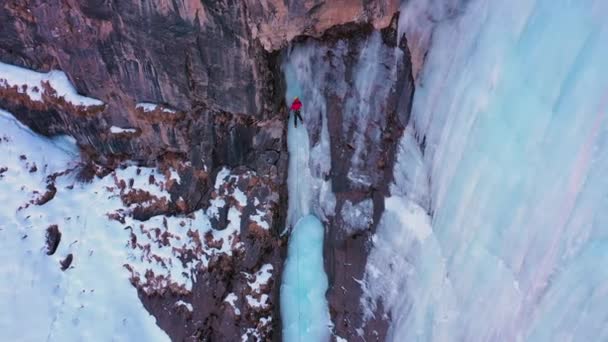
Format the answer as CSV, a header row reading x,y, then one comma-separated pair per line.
x,y
296,106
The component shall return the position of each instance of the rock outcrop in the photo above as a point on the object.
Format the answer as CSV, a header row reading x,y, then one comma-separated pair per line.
x,y
275,23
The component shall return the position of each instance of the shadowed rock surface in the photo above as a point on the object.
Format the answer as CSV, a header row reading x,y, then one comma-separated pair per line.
x,y
53,237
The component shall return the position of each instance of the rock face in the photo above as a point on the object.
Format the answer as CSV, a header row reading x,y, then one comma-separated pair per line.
x,y
197,58
276,22
201,58
195,85
236,269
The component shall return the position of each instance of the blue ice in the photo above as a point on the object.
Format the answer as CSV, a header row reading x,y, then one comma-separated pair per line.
x,y
303,304
513,103
304,308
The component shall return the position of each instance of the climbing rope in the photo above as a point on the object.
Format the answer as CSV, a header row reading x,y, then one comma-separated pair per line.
x,y
299,203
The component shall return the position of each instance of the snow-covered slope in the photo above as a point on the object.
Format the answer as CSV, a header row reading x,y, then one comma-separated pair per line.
x,y
497,225
34,84
93,298
75,253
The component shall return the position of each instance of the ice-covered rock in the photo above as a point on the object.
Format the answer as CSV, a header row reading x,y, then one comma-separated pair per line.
x,y
508,141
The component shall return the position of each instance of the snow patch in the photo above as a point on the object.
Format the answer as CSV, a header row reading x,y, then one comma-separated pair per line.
x,y
143,178
231,299
221,177
258,303
261,277
175,175
185,304
151,107
120,130
240,197
258,218
30,82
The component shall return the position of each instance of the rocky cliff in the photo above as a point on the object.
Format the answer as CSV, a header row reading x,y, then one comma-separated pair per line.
x,y
197,86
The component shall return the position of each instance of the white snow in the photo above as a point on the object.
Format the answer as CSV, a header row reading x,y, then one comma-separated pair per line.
x,y
215,205
187,305
151,253
221,177
175,175
93,299
150,107
251,333
258,218
261,277
142,181
512,104
30,82
119,130
261,302
258,299
240,197
231,299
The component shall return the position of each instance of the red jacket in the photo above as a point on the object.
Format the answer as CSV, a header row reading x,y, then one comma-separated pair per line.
x,y
296,105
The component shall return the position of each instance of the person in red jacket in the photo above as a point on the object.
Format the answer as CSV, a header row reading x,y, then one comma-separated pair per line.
x,y
296,106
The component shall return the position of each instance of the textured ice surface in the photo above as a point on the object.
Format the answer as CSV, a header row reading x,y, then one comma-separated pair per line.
x,y
303,304
309,165
304,309
374,78
511,114
93,299
31,83
357,216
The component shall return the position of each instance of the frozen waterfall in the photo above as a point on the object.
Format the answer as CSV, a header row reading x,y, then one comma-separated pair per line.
x,y
497,224
304,309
